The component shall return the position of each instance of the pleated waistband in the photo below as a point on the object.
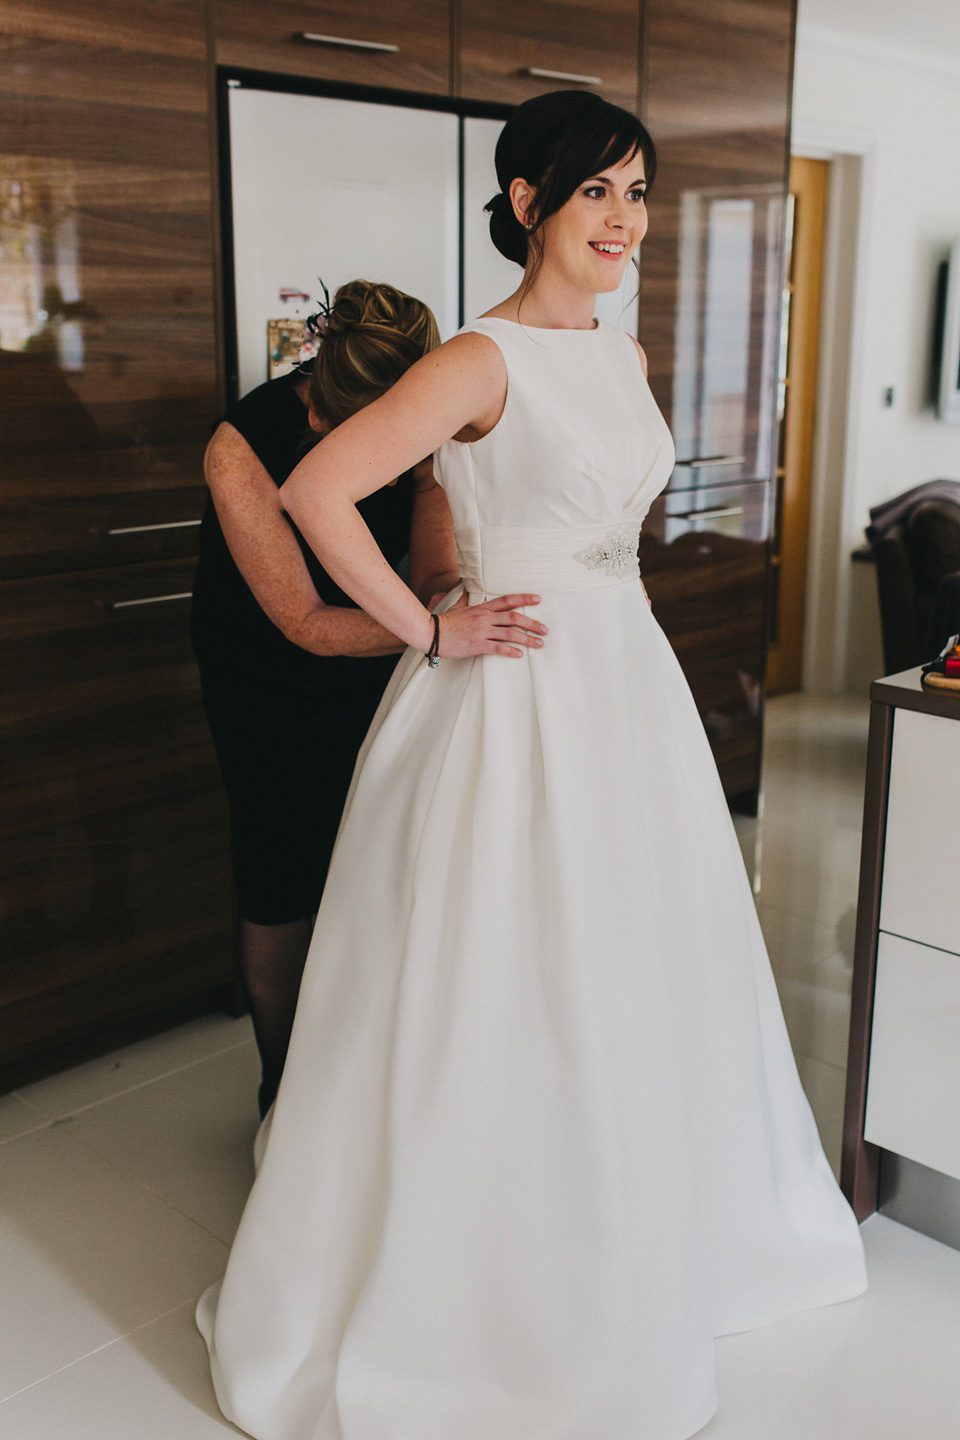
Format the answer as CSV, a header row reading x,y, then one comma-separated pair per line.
x,y
502,559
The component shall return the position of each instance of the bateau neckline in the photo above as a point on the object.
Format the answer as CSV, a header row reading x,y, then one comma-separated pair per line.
x,y
542,329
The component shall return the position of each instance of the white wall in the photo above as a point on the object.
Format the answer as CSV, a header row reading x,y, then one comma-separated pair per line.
x,y
900,112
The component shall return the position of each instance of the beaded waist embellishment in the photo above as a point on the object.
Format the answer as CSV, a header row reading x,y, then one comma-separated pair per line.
x,y
500,559
616,552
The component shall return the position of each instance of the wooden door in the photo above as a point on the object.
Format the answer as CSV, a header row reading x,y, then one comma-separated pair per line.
x,y
113,844
510,52
401,45
798,391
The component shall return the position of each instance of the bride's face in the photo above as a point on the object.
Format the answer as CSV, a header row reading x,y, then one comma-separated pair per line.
x,y
592,238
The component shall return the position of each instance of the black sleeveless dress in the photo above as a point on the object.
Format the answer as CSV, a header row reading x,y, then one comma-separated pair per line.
x,y
286,724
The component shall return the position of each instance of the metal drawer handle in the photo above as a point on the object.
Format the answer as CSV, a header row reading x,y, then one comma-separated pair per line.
x,y
700,462
142,529
345,44
718,512
539,74
149,600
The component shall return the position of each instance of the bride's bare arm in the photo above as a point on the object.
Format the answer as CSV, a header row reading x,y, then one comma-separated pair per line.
x,y
458,389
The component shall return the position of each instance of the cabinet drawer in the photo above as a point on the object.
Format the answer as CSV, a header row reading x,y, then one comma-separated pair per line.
x,y
915,1054
922,848
49,533
404,45
510,52
114,869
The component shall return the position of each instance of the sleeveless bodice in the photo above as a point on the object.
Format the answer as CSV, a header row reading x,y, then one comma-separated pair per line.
x,y
554,496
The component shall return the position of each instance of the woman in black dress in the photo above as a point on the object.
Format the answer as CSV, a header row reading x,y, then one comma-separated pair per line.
x,y
291,670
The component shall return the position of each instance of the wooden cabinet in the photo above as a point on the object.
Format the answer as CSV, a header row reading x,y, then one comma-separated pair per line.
x,y
114,873
404,45
703,557
113,832
715,94
485,50
113,835
510,52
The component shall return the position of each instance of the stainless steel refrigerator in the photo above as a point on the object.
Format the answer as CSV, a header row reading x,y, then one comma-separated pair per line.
x,y
333,189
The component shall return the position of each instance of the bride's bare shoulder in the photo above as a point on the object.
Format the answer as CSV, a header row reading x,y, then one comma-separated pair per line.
x,y
473,348
470,372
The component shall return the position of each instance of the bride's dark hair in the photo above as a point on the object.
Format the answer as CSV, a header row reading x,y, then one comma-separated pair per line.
x,y
555,142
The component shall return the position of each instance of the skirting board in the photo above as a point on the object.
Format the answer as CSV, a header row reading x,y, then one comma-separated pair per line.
x,y
922,1198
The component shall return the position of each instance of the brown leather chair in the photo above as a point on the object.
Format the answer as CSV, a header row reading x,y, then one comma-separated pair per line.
x,y
915,540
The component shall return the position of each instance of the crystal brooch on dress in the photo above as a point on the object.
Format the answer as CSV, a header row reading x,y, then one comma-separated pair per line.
x,y
617,553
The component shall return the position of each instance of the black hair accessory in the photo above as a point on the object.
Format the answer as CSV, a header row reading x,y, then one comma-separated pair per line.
x,y
317,322
315,326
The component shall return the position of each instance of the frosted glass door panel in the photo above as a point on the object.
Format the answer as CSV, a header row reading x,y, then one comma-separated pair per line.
x,y
342,190
489,278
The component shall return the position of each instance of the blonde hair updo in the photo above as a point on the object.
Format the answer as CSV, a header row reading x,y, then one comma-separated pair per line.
x,y
373,334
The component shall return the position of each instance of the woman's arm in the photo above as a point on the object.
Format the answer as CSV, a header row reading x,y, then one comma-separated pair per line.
x,y
269,559
434,562
458,389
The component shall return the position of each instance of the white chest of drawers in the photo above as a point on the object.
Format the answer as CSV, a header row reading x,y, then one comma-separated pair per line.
x,y
902,1119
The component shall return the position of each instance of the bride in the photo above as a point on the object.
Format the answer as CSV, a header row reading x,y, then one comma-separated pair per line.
x,y
540,1137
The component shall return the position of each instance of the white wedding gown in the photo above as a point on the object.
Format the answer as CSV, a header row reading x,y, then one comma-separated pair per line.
x,y
540,1136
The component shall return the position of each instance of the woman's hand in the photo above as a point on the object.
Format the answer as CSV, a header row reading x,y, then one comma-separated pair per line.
x,y
497,627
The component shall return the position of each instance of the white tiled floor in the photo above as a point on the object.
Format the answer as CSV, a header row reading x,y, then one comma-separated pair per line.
x,y
804,854
121,1183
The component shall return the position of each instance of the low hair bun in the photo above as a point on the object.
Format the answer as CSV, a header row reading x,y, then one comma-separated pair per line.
x,y
506,231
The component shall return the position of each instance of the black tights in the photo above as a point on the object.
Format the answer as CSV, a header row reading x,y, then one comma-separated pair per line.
x,y
271,964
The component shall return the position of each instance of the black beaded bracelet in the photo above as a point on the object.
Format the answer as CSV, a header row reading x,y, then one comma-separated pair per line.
x,y
433,654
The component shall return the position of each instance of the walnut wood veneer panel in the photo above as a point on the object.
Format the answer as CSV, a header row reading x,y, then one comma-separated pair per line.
x,y
715,93
703,556
107,344
114,878
255,36
500,42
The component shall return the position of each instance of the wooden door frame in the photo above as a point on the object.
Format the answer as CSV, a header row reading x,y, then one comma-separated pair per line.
x,y
809,179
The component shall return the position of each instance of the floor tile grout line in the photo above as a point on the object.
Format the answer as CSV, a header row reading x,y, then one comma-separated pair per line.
x,y
22,1134
34,1123
97,1350
149,1189
132,1089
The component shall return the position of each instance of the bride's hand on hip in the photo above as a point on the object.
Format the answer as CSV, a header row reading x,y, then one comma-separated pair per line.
x,y
497,627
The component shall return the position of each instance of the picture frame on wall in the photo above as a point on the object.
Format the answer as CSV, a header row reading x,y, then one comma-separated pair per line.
x,y
289,344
